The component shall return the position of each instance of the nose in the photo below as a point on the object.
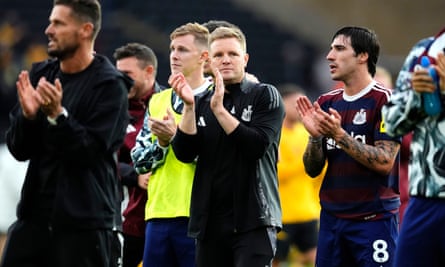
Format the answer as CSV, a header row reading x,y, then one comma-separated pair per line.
x,y
330,55
225,59
173,54
48,29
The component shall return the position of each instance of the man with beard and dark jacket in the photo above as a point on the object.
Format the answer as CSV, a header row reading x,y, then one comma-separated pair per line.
x,y
69,124
233,133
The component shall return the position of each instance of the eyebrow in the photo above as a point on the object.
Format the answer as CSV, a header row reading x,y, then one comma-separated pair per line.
x,y
338,46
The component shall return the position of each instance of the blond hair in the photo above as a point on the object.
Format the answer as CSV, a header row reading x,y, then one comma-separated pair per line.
x,y
200,33
226,32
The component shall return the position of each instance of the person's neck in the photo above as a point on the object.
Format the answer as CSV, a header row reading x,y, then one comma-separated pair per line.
x,y
145,91
236,80
78,62
195,80
356,84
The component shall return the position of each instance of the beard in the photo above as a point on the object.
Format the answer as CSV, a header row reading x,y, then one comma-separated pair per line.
x,y
137,91
64,52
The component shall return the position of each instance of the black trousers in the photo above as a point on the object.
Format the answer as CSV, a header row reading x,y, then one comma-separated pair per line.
x,y
255,248
133,250
32,245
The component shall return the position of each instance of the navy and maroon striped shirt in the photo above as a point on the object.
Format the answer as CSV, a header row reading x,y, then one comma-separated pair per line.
x,y
349,189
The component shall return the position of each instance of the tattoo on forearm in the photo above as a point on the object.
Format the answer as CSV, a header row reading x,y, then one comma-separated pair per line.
x,y
382,153
314,159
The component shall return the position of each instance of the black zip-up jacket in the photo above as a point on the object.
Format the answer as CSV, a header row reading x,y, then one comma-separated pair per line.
x,y
72,181
241,165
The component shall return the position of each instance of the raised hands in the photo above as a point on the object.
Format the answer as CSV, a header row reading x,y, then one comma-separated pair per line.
x,y
307,113
30,100
52,97
164,128
181,87
316,121
217,99
46,96
330,124
179,84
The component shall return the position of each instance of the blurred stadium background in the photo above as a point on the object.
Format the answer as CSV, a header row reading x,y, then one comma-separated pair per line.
x,y
287,39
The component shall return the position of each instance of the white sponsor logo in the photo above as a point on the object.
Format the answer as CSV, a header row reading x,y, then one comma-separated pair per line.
x,y
247,113
360,117
331,144
201,122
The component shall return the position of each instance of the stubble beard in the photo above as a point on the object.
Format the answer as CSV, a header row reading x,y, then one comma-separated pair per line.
x,y
63,53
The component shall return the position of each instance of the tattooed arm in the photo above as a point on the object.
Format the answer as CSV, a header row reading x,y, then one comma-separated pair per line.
x,y
379,158
314,157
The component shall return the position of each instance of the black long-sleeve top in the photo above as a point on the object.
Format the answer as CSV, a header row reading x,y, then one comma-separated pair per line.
x,y
235,184
72,181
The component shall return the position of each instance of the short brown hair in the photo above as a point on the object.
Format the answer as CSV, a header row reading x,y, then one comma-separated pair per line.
x,y
144,54
85,11
212,24
200,33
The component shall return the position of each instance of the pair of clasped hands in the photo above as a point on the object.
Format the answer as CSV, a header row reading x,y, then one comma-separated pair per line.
x,y
182,88
318,122
46,96
165,128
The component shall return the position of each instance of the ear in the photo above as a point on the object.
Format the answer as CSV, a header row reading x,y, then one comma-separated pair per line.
x,y
204,56
363,58
87,30
246,59
149,70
